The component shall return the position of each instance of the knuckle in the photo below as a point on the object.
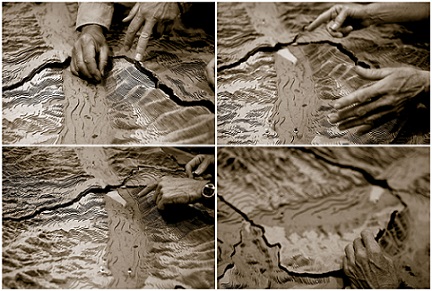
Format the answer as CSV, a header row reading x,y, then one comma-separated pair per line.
x,y
365,233
370,119
80,65
361,258
130,33
86,38
375,253
391,99
387,100
347,248
346,267
360,112
363,97
350,269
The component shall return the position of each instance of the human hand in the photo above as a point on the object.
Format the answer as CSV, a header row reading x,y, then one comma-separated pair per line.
x,y
338,15
367,266
147,15
373,105
171,191
90,53
210,72
201,163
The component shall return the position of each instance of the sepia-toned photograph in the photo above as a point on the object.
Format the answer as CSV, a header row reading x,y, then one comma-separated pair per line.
x,y
215,145
323,217
108,73
323,73
108,217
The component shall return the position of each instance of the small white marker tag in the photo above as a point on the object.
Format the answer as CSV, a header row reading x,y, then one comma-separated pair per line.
x,y
116,196
375,194
287,55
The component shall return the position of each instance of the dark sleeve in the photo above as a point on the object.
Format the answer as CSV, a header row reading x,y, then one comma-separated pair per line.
x,y
200,15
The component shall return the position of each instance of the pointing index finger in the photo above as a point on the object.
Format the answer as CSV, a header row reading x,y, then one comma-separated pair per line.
x,y
90,62
340,19
323,17
205,163
144,38
132,30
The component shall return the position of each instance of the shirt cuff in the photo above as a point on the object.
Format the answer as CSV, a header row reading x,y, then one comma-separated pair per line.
x,y
94,13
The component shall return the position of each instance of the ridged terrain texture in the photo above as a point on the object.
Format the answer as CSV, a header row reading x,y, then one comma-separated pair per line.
x,y
72,218
286,215
277,82
164,99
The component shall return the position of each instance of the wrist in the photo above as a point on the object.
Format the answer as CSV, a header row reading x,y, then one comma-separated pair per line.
x,y
92,28
208,193
370,16
205,190
198,186
208,190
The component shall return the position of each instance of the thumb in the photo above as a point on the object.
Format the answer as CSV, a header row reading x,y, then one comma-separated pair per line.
x,y
202,167
131,13
103,59
144,38
340,19
192,164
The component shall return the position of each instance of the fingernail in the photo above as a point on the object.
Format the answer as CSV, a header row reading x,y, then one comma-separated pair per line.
x,y
138,57
332,117
333,26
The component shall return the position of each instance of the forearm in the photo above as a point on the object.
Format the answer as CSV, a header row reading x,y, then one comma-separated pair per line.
x,y
396,12
94,13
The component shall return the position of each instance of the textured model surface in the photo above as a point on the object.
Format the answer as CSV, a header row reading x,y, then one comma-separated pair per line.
x,y
286,215
277,82
165,98
73,218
